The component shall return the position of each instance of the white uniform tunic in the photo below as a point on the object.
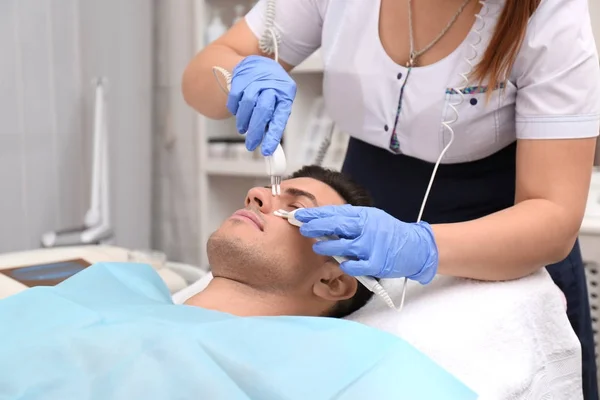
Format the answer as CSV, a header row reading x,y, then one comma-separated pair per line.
x,y
553,91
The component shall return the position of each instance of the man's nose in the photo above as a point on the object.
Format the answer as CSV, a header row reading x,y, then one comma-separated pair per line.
x,y
260,198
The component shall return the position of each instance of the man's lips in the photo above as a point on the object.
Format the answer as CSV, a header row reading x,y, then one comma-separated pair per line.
x,y
251,216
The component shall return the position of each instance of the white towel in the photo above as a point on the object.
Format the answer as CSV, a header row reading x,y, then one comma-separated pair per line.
x,y
196,287
505,340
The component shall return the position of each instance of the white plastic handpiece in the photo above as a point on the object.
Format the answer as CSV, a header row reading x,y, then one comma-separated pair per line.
x,y
291,217
367,281
276,163
276,167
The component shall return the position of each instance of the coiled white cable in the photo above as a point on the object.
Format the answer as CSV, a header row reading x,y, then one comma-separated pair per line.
x,y
367,281
227,75
271,39
268,44
479,18
323,148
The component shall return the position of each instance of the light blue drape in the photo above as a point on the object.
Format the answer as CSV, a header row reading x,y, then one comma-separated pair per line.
x,y
111,332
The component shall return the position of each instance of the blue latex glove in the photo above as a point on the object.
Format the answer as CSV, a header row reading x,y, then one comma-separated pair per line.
x,y
379,244
261,96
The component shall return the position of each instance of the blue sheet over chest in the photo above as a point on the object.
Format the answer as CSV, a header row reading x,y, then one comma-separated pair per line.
x,y
112,332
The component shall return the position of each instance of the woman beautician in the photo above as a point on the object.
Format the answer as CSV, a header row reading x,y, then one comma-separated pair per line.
x,y
510,194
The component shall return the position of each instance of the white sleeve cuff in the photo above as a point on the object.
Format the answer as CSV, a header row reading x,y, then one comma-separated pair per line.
x,y
299,24
558,127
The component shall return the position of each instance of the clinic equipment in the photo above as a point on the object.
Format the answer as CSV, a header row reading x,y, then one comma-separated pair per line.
x,y
96,228
276,163
48,267
269,44
276,166
367,281
453,106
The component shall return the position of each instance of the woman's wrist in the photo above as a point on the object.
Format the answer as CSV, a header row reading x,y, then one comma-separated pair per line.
x,y
506,245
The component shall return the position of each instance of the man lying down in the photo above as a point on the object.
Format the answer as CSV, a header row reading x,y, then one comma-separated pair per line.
x,y
258,331
262,265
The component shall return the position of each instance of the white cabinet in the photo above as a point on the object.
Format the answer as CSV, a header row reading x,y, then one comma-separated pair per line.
x,y
227,174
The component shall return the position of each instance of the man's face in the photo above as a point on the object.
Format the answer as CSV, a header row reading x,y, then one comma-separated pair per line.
x,y
259,249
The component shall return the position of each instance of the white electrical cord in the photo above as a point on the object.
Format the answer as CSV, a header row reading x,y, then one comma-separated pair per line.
x,y
367,281
447,124
324,147
269,44
227,75
270,40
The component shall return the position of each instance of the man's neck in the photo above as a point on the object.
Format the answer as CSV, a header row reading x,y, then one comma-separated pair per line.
x,y
236,298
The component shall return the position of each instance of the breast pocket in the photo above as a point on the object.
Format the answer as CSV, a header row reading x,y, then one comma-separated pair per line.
x,y
481,125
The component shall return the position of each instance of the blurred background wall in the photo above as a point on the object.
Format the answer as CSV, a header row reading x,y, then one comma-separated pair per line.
x,y
51,51
175,221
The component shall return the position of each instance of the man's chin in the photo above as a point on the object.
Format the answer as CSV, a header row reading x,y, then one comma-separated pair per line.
x,y
228,249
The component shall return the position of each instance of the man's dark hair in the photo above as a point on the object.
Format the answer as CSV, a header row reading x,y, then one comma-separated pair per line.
x,y
353,194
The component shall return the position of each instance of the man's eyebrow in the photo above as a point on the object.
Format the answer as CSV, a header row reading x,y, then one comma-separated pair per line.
x,y
295,192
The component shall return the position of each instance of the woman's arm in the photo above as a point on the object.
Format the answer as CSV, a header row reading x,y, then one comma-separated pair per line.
x,y
298,23
557,114
200,88
553,178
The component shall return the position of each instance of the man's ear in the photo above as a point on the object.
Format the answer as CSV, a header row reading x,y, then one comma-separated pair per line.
x,y
334,285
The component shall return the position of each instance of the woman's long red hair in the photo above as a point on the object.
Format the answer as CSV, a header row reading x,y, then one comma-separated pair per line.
x,y
504,46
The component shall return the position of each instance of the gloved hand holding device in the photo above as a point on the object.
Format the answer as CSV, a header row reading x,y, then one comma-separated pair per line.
x,y
261,98
382,246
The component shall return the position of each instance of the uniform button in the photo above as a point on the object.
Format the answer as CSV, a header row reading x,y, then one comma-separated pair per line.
x,y
473,101
399,75
385,128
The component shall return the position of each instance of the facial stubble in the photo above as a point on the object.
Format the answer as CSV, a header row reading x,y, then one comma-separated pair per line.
x,y
246,261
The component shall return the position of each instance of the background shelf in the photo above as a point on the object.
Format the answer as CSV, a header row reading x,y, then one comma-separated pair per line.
x,y
247,168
